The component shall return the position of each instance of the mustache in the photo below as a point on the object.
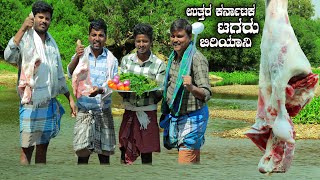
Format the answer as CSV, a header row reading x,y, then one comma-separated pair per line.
x,y
175,43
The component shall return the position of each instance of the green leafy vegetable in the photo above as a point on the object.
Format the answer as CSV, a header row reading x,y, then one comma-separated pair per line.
x,y
139,83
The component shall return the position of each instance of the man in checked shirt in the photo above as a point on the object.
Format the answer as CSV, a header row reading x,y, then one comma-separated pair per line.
x,y
139,131
186,91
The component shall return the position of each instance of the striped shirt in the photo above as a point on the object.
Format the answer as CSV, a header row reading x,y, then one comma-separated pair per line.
x,y
98,75
200,78
154,68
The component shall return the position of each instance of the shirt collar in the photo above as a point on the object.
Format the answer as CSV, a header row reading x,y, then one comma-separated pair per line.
x,y
103,54
48,37
134,58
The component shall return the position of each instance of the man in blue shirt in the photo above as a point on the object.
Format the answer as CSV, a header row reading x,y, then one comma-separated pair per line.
x,y
91,68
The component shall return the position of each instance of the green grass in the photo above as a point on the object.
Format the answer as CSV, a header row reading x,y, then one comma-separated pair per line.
x,y
316,71
310,114
9,105
242,78
237,77
7,67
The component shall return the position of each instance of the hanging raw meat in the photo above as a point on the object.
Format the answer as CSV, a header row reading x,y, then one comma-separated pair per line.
x,y
286,85
30,64
81,82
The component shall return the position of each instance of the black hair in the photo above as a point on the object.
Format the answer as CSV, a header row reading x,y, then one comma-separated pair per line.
x,y
181,24
97,25
145,29
41,7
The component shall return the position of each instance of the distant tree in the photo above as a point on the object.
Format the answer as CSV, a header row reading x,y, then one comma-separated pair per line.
x,y
308,35
68,24
71,20
12,17
302,8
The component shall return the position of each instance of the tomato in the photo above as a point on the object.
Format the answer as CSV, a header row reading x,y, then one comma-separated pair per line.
x,y
127,88
112,85
120,83
120,88
109,82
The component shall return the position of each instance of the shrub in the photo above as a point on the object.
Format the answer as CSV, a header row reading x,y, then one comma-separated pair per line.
x,y
237,77
310,114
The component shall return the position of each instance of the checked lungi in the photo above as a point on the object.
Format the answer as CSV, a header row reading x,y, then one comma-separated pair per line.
x,y
187,130
94,130
39,124
136,140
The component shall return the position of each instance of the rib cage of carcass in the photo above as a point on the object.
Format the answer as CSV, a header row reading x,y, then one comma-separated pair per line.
x,y
286,85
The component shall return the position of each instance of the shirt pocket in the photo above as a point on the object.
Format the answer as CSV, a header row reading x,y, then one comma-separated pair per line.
x,y
53,55
101,77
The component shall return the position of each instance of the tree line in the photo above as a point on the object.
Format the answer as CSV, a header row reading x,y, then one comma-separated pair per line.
x,y
71,20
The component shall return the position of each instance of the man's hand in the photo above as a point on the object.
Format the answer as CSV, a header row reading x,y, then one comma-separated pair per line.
x,y
95,91
79,48
73,108
197,92
187,83
71,104
28,23
75,60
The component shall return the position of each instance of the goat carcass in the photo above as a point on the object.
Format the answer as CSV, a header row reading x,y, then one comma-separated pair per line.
x,y
30,63
286,85
81,82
